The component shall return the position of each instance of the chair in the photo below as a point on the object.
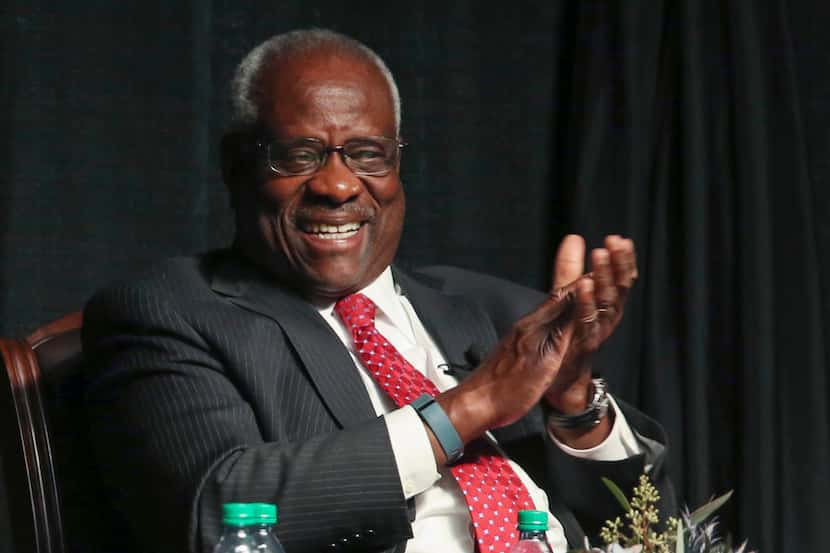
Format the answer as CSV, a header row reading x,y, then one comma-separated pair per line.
x,y
52,492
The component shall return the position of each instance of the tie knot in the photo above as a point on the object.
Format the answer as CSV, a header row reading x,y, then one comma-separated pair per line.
x,y
356,311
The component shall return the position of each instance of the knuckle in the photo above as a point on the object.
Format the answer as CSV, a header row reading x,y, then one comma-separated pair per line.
x,y
526,344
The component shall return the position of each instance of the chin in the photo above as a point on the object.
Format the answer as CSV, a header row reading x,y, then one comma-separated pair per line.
x,y
327,282
335,287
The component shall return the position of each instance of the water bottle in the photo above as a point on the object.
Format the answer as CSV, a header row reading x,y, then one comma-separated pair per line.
x,y
238,535
265,515
532,527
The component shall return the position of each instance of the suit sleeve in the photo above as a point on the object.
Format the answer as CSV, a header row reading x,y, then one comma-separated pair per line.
x,y
174,439
575,485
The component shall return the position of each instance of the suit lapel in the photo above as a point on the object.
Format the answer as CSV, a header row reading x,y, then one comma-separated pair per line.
x,y
321,352
466,338
450,321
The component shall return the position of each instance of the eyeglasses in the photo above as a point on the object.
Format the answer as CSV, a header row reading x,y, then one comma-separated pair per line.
x,y
373,156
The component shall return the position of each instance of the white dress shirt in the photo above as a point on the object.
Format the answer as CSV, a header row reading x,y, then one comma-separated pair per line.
x,y
442,521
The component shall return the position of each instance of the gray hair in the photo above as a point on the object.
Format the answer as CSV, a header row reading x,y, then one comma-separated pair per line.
x,y
246,92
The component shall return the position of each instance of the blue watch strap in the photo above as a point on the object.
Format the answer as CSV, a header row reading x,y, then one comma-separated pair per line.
x,y
441,425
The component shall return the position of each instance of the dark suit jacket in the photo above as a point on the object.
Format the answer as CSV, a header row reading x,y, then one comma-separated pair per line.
x,y
210,383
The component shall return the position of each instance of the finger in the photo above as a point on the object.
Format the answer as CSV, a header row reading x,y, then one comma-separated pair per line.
x,y
570,261
624,263
549,327
612,241
555,307
584,306
569,288
605,293
585,313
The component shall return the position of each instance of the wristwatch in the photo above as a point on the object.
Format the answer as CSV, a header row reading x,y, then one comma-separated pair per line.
x,y
590,417
437,420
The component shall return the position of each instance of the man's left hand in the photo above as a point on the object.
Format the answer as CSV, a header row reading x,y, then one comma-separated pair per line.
x,y
599,310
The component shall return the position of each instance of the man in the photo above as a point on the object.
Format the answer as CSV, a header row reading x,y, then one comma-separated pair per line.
x,y
301,368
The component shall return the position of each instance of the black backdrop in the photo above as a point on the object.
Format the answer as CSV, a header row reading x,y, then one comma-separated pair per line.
x,y
700,128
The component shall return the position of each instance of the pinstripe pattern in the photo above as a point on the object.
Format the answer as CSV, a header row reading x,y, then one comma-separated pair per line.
x,y
210,384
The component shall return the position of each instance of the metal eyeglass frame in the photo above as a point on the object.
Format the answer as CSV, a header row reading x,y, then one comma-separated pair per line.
x,y
326,150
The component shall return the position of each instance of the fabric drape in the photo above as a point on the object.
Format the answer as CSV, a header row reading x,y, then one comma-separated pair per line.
x,y
684,125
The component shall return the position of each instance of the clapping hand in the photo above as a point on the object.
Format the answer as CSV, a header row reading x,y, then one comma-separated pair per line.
x,y
599,306
547,355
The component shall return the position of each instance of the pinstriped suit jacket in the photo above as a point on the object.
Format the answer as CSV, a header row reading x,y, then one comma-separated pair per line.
x,y
210,383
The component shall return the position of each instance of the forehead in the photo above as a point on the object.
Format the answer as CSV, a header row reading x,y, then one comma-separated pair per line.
x,y
325,92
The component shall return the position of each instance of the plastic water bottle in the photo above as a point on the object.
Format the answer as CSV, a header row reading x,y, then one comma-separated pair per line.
x,y
265,515
532,527
239,523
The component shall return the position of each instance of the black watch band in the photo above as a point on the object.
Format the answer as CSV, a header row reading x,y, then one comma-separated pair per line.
x,y
441,425
597,409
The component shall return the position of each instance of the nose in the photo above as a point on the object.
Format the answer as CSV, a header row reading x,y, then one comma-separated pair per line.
x,y
334,181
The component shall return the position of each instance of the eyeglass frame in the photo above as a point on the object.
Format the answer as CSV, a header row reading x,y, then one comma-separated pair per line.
x,y
326,150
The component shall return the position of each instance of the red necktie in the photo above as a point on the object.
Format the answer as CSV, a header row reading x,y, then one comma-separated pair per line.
x,y
491,488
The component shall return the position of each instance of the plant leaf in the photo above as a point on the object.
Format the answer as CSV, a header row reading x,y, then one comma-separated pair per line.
x,y
618,493
705,511
680,544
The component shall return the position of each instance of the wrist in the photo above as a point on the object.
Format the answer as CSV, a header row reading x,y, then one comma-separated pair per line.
x,y
585,428
440,428
572,398
585,438
466,410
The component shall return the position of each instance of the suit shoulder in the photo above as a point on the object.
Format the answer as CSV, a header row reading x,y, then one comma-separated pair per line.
x,y
166,284
502,300
479,287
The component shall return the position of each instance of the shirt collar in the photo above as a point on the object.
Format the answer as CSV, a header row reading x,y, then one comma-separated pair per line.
x,y
384,293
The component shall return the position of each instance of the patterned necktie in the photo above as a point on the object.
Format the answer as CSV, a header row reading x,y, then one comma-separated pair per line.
x,y
491,488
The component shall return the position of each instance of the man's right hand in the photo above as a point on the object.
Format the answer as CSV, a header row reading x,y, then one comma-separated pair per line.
x,y
515,376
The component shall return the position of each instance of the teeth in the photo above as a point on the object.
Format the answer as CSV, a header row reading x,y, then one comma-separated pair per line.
x,y
336,235
348,228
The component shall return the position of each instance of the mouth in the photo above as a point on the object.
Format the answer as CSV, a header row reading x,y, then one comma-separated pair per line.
x,y
325,231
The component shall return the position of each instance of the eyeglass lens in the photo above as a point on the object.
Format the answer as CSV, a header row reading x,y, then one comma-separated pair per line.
x,y
365,156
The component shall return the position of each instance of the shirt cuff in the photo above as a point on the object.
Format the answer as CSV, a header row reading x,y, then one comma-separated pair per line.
x,y
413,452
620,443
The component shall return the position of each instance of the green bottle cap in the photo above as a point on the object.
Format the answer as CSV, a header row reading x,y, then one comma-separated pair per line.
x,y
265,513
533,520
238,514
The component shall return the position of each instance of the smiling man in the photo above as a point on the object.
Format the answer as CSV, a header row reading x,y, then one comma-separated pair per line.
x,y
324,220
300,367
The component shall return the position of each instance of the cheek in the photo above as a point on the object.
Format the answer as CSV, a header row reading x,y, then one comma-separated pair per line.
x,y
271,207
387,193
393,203
277,196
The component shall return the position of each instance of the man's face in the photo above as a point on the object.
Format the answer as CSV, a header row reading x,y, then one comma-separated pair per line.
x,y
333,232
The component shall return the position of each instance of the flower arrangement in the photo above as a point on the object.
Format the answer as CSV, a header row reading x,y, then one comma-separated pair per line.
x,y
690,533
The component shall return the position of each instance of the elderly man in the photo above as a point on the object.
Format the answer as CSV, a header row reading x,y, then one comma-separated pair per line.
x,y
300,367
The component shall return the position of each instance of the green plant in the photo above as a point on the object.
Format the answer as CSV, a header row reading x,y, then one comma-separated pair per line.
x,y
692,532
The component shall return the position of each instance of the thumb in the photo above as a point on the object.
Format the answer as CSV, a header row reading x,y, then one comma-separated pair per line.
x,y
570,261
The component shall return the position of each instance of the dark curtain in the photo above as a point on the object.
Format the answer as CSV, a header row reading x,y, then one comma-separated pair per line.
x,y
700,128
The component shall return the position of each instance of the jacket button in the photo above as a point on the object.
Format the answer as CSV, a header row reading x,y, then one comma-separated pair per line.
x,y
357,536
